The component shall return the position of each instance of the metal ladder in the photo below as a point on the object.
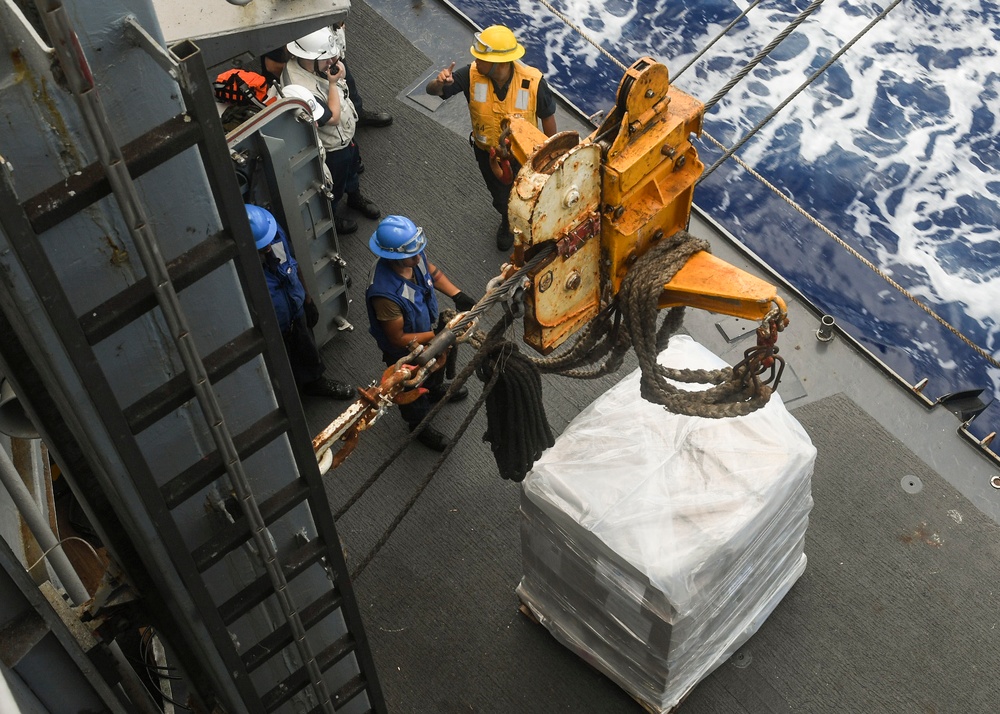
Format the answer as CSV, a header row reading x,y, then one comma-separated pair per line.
x,y
328,676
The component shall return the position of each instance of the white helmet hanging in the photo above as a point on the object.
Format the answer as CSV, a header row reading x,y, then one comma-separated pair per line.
x,y
297,91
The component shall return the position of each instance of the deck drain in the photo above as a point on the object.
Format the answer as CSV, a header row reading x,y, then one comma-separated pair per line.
x,y
742,659
911,484
995,482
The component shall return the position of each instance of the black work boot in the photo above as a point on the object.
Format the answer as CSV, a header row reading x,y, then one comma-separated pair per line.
x,y
433,439
362,205
345,225
505,239
436,395
377,119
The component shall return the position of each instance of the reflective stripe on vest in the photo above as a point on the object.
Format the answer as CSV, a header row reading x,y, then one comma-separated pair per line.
x,y
287,291
487,110
415,298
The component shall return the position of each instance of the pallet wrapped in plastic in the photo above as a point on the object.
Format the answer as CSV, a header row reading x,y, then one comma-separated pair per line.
x,y
654,545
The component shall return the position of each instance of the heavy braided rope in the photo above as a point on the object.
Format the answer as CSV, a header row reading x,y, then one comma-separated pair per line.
x,y
630,321
732,395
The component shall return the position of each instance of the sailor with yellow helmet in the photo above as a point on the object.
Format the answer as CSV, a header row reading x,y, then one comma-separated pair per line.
x,y
496,86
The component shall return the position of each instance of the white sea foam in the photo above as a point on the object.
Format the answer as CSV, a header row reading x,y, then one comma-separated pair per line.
x,y
901,131
937,146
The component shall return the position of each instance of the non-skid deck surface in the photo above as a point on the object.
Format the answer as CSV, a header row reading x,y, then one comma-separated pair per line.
x,y
896,612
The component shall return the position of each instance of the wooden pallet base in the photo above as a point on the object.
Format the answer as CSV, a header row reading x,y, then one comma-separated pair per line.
x,y
649,708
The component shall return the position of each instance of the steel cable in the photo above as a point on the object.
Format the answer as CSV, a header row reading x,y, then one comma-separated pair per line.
x,y
749,66
718,37
802,87
787,199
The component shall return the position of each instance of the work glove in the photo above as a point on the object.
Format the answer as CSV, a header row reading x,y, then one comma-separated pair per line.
x,y
312,313
463,303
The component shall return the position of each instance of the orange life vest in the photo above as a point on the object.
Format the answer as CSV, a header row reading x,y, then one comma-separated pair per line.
x,y
242,87
487,110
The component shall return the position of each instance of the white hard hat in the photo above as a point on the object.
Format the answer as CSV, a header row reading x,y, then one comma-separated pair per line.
x,y
297,91
316,45
340,37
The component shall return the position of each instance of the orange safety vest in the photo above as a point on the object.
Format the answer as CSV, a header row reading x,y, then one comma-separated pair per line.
x,y
242,87
487,110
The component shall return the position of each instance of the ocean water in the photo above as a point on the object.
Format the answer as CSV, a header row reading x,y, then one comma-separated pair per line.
x,y
895,149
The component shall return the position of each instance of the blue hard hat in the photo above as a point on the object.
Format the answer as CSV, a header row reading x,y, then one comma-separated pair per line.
x,y
397,238
262,225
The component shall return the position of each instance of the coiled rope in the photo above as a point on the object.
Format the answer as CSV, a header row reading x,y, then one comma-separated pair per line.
x,y
629,322
517,428
733,394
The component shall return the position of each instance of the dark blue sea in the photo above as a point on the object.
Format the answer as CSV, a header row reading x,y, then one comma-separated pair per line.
x,y
895,149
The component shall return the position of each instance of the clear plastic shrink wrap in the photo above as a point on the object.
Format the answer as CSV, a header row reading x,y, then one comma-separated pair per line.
x,y
654,545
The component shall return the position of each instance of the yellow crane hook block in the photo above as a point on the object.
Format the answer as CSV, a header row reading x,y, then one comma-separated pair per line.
x,y
605,200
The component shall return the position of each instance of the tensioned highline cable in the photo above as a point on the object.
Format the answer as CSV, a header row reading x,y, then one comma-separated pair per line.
x,y
787,199
749,66
718,37
812,78
867,263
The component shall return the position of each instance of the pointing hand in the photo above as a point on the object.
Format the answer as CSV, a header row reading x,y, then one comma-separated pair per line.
x,y
445,76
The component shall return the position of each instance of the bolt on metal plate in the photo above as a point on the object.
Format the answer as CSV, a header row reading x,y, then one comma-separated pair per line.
x,y
741,659
911,484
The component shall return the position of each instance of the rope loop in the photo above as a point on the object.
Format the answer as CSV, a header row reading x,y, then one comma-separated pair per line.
x,y
734,393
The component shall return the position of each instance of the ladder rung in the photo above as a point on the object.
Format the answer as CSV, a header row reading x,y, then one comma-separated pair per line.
x,y
299,679
308,193
280,638
260,589
138,299
163,400
351,689
320,229
324,262
355,686
333,292
235,534
203,472
306,154
70,196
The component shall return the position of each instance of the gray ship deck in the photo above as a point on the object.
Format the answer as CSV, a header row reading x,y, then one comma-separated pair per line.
x,y
897,609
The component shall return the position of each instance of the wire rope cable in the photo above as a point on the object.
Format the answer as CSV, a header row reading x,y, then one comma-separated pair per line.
x,y
760,56
43,556
993,361
867,263
718,37
812,78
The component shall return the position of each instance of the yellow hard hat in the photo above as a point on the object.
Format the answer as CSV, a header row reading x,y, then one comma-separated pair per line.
x,y
496,44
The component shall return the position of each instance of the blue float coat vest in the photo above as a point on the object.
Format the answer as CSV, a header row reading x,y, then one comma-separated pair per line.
x,y
287,292
416,298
